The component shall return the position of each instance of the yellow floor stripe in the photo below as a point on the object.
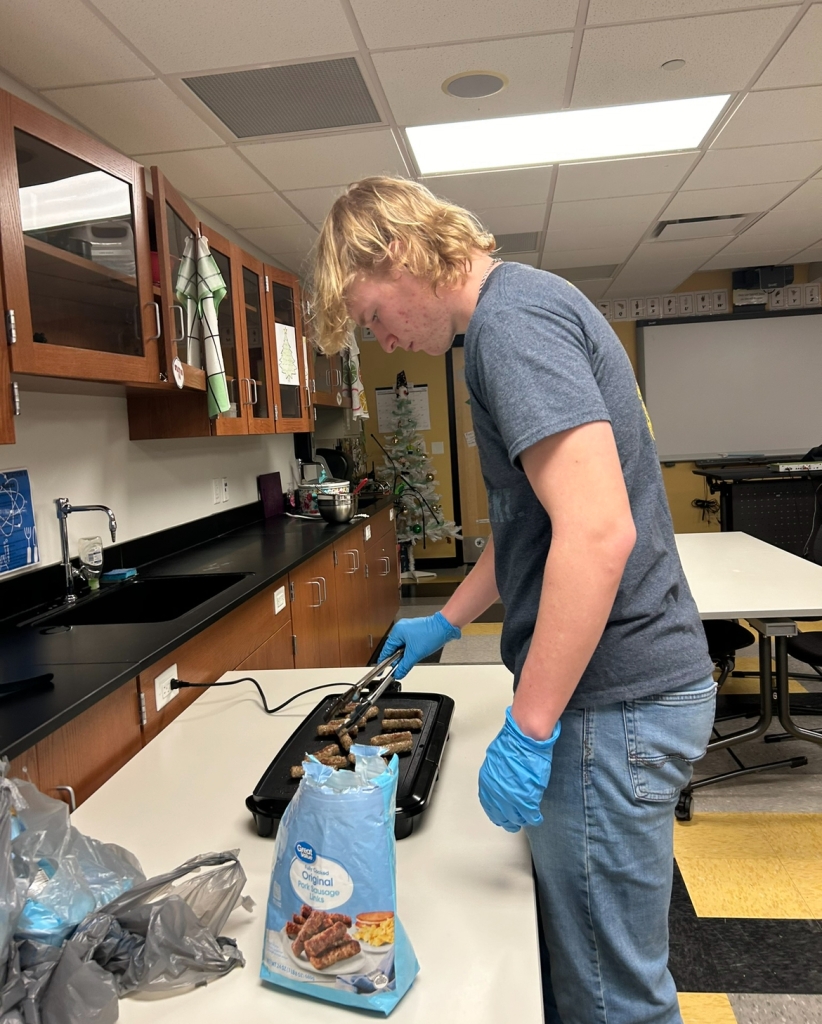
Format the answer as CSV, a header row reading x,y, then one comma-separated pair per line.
x,y
706,1008
752,865
482,629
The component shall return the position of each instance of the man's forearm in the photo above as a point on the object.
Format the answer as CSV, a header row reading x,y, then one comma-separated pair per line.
x,y
477,591
578,591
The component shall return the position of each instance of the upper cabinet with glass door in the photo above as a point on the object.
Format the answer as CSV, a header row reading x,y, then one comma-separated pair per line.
x,y
256,395
172,227
289,352
75,258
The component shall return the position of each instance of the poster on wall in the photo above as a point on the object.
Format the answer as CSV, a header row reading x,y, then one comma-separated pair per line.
x,y
287,365
386,407
18,532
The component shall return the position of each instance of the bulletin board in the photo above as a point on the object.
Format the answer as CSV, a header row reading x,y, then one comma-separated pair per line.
x,y
386,407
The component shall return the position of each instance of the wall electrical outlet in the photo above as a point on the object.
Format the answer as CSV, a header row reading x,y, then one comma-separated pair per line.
x,y
224,488
217,490
162,687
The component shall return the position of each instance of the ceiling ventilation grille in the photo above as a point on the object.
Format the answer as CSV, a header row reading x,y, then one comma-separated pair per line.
x,y
700,227
521,241
289,98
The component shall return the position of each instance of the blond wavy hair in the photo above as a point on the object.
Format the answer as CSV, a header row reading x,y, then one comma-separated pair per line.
x,y
378,225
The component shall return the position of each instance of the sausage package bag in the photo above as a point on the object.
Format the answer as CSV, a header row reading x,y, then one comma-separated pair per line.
x,y
332,929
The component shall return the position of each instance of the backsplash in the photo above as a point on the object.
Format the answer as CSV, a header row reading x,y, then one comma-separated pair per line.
x,y
77,447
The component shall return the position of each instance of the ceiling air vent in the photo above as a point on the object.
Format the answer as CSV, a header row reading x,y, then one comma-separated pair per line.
x,y
521,241
289,98
700,227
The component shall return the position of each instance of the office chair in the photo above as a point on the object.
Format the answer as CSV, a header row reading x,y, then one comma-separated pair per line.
x,y
725,637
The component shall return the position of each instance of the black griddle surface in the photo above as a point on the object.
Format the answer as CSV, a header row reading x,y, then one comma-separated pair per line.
x,y
417,769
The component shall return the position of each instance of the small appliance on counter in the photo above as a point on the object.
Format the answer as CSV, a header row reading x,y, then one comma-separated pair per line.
x,y
419,766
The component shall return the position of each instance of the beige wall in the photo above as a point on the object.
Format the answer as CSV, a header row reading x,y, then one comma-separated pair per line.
x,y
380,370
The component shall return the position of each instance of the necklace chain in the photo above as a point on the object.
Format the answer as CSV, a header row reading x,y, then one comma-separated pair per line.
x,y
494,263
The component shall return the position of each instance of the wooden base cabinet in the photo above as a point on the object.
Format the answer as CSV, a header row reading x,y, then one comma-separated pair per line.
x,y
351,587
383,577
314,613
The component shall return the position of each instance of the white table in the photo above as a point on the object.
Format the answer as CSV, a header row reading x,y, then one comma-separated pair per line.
x,y
736,576
466,895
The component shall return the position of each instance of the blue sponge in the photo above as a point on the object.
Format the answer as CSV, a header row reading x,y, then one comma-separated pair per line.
x,y
115,575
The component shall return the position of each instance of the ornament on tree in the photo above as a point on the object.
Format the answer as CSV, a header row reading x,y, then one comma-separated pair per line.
x,y
430,476
416,528
395,439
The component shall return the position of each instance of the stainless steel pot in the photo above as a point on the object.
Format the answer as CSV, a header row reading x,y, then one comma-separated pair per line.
x,y
337,508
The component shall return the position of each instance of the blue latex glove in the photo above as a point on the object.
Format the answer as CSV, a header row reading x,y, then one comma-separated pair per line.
x,y
421,637
514,775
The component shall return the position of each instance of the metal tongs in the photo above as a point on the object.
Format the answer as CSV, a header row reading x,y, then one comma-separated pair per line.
x,y
377,680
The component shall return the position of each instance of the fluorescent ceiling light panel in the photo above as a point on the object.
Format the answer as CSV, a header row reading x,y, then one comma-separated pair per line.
x,y
564,136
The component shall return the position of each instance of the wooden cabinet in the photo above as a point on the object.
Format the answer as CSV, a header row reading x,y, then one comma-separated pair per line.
x,y
74,251
8,393
314,613
331,380
289,352
351,588
276,652
382,571
220,648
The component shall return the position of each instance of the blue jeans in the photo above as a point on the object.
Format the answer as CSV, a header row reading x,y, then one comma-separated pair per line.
x,y
603,855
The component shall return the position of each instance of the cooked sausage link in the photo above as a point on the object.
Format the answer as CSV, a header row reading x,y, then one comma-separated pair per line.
x,y
395,724
327,938
292,930
396,748
372,712
402,713
344,951
315,922
391,737
296,771
306,911
329,728
345,741
346,920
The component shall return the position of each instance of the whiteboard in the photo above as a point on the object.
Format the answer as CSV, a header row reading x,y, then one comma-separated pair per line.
x,y
733,386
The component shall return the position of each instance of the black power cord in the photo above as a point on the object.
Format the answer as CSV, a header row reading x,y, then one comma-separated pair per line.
x,y
178,684
707,506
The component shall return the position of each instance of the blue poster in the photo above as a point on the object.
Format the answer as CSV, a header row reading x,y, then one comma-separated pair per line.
x,y
18,534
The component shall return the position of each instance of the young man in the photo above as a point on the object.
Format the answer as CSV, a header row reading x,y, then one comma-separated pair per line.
x,y
614,697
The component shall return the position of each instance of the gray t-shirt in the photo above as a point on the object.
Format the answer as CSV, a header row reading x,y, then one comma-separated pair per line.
x,y
540,359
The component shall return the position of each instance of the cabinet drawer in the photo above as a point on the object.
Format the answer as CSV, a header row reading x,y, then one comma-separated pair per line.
x,y
276,652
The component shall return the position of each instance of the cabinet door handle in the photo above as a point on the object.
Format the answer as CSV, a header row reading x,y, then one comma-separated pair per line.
x,y
247,382
178,313
154,337
253,382
325,589
316,583
387,565
71,796
328,377
338,380
355,561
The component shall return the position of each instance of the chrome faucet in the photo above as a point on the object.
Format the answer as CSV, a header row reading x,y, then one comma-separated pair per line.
x,y
64,508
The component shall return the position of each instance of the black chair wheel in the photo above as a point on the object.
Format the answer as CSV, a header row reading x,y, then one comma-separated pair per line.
x,y
684,810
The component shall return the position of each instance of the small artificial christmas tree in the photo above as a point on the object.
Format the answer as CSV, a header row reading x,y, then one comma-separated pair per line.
x,y
412,478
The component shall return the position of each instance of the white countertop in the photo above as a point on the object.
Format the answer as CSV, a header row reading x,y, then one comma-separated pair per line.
x,y
733,575
466,896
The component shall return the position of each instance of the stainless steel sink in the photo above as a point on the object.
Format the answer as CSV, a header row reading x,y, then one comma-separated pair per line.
x,y
149,599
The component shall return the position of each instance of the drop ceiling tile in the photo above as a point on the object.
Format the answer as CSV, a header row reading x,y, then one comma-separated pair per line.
x,y
722,51
261,210
430,21
298,262
55,43
135,117
769,118
812,255
205,35
486,189
281,239
755,165
716,202
591,236
199,173
682,249
734,260
529,258
649,10
327,159
536,70
315,203
512,219
591,212
603,179
805,204
775,232
554,260
594,289
651,278
798,61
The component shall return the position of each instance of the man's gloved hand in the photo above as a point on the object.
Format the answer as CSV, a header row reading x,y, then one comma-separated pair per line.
x,y
421,637
514,775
